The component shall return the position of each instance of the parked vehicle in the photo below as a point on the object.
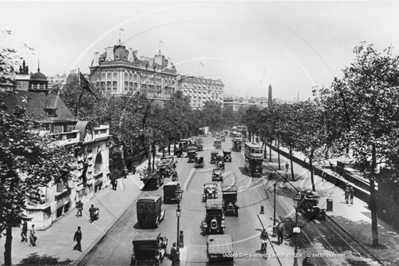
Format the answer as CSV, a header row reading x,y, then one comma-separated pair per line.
x,y
199,162
149,249
169,192
191,153
214,221
217,175
214,155
149,211
210,191
219,248
230,201
237,145
227,156
217,144
152,180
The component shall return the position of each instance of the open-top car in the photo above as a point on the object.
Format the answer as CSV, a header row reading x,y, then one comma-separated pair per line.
x,y
210,191
217,175
217,144
199,162
227,156
214,155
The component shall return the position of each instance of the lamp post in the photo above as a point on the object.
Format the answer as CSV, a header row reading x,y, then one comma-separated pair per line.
x,y
296,230
179,193
274,212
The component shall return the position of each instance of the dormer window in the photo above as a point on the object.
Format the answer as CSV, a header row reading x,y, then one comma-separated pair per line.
x,y
51,112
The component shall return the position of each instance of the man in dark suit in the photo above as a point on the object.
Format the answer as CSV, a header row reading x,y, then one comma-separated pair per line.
x,y
174,255
78,238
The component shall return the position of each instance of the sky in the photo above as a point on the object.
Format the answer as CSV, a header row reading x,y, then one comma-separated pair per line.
x,y
249,45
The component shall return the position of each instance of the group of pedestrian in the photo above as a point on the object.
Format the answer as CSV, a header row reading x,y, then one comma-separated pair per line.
x,y
32,234
349,194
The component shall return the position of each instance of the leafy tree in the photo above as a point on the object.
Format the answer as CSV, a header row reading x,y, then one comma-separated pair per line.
x,y
367,99
28,162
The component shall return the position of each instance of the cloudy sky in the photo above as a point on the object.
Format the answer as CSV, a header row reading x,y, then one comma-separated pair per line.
x,y
292,45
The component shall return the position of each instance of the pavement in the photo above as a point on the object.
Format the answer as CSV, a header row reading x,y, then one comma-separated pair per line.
x,y
353,218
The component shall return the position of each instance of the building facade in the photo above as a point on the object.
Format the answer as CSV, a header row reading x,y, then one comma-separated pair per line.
x,y
200,90
92,162
119,71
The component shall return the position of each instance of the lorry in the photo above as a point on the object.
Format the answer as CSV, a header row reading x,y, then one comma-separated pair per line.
x,y
230,201
191,153
149,211
214,221
149,249
169,192
219,248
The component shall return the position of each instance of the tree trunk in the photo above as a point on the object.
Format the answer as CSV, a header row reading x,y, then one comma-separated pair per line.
x,y
154,152
278,154
270,152
149,156
373,199
311,170
292,165
169,147
265,150
7,245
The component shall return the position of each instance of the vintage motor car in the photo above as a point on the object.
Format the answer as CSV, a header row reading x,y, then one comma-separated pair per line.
x,y
214,155
191,153
152,180
210,191
237,145
149,211
220,162
223,138
217,144
217,175
166,166
214,221
219,248
309,205
227,156
169,192
199,162
230,201
149,249
199,144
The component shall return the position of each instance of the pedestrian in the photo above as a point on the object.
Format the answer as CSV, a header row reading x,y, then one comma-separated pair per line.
x,y
78,238
114,184
175,254
92,212
32,237
347,194
79,207
351,194
24,233
280,233
287,166
133,169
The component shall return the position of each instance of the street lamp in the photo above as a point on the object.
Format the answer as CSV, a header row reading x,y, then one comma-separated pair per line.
x,y
296,230
178,193
274,215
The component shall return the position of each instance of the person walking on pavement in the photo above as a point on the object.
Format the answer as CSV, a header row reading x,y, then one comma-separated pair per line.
x,y
93,213
280,233
32,237
79,207
175,254
78,238
114,184
133,169
347,193
351,194
24,233
287,166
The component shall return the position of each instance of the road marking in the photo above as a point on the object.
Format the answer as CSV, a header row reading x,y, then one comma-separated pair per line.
x,y
190,175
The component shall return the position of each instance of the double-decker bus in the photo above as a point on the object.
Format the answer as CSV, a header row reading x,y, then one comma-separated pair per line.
x,y
243,130
253,159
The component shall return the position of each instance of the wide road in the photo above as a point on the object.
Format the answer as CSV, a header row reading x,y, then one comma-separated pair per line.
x,y
116,247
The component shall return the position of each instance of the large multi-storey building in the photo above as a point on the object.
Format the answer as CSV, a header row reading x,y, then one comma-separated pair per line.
x,y
201,90
119,70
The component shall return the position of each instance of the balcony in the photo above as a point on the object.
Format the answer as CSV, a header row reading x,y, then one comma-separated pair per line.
x,y
66,138
101,132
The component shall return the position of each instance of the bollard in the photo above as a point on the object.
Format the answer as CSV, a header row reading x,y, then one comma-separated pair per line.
x,y
181,240
262,209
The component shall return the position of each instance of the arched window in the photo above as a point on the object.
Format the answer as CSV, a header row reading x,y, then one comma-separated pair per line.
x,y
98,164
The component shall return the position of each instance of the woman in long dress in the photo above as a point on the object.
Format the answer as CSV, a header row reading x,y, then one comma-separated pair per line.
x,y
32,237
